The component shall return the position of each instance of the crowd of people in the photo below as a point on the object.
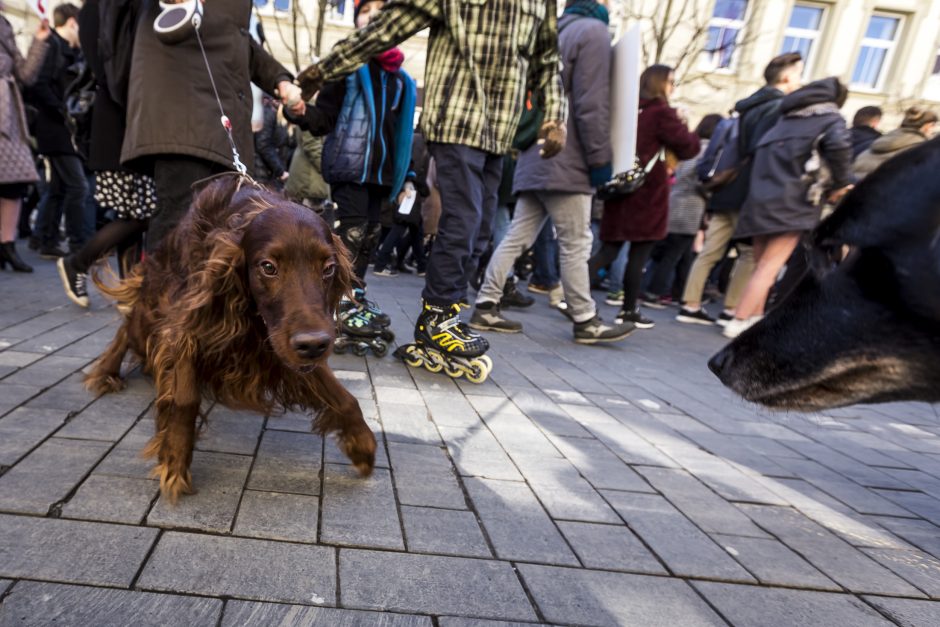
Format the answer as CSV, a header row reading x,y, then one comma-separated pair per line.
x,y
497,185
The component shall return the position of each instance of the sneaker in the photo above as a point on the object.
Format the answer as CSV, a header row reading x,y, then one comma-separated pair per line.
x,y
594,331
615,298
487,317
52,252
385,272
694,316
404,270
73,282
535,288
639,320
564,309
422,273
512,297
724,319
736,327
652,301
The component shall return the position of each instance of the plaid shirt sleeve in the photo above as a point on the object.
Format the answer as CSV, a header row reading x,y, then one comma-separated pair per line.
x,y
398,20
545,71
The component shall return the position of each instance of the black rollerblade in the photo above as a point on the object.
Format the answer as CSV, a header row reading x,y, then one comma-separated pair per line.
x,y
359,331
380,317
443,342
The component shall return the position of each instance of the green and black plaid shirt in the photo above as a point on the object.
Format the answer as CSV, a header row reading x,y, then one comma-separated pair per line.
x,y
483,56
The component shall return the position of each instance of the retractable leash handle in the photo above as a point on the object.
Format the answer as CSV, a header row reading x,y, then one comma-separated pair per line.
x,y
177,21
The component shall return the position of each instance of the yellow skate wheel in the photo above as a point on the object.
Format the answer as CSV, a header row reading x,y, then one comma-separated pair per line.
x,y
487,361
412,358
479,372
436,364
454,372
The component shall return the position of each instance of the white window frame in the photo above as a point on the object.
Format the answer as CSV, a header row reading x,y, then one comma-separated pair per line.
x,y
804,33
707,59
341,19
889,46
269,10
932,87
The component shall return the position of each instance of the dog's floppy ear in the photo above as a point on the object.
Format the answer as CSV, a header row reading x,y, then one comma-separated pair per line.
x,y
344,277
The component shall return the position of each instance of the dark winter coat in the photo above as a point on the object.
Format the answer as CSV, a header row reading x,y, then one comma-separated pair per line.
x,y
171,108
862,138
885,147
272,147
584,44
778,200
644,215
305,181
16,160
417,176
758,112
107,117
47,94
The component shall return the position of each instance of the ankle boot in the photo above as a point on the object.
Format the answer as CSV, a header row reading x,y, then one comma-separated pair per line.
x,y
8,255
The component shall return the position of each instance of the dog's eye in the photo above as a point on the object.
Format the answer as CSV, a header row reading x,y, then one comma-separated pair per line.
x,y
268,268
329,270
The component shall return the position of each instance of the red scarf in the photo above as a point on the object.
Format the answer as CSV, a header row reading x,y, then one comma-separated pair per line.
x,y
390,60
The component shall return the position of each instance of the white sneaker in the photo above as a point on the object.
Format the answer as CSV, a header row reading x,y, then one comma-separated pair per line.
x,y
736,327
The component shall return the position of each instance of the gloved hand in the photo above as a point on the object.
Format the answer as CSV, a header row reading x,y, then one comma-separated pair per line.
x,y
552,137
600,174
310,81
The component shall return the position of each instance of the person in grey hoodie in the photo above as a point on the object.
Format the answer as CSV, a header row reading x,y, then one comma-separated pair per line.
x,y
562,188
916,128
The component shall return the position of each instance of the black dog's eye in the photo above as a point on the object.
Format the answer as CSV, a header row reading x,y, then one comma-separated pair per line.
x,y
329,270
268,268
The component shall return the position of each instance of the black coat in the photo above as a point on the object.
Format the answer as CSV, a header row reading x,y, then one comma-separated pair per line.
x,y
107,117
272,148
171,107
47,95
862,139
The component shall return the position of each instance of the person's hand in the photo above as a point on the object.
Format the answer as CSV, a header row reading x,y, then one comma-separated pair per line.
x,y
285,176
291,98
836,195
553,135
43,31
310,81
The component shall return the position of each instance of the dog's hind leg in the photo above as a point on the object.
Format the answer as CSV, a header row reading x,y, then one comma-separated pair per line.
x,y
344,417
105,375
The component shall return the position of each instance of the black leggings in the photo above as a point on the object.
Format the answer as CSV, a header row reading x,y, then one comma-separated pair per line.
x,y
110,235
633,274
358,212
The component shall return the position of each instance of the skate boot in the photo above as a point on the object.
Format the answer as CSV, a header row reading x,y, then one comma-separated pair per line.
x,y
443,342
379,316
357,331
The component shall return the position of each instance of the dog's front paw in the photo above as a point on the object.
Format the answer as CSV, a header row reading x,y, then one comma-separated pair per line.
x,y
99,384
360,449
173,483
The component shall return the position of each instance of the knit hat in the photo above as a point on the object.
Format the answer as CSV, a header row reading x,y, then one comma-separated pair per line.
x,y
357,7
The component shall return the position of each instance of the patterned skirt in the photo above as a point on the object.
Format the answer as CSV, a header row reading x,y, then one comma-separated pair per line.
x,y
131,196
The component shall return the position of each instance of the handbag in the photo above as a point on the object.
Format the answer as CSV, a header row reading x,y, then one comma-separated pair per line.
x,y
628,182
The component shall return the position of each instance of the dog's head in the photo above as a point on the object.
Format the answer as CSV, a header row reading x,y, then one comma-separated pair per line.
x,y
270,259
863,327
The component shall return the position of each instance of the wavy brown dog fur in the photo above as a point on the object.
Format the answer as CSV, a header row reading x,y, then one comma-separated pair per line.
x,y
236,306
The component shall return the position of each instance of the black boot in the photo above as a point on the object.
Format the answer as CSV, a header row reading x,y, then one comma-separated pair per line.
x,y
8,255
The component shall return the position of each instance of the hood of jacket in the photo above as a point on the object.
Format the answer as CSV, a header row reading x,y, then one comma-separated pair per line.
x,y
759,97
817,92
898,139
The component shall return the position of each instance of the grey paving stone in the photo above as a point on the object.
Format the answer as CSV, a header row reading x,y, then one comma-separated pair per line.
x,y
478,454
774,564
444,532
454,621
563,492
846,466
288,462
837,559
921,504
908,612
48,474
69,394
686,550
258,570
749,606
229,431
359,511
425,583
408,422
278,516
519,436
600,466
708,510
47,371
22,429
218,479
72,551
424,476
112,499
914,566
920,533
610,547
516,524
454,410
621,440
125,459
12,395
18,359
585,597
4,584
35,603
249,614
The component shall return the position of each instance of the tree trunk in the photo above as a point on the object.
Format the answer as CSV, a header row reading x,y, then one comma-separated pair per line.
x,y
321,16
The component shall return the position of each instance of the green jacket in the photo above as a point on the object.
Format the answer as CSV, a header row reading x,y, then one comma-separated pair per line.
x,y
483,56
305,181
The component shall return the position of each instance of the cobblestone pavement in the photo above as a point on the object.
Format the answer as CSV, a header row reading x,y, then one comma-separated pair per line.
x,y
579,485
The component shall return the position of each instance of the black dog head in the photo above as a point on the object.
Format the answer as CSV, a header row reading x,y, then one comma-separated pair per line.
x,y
866,329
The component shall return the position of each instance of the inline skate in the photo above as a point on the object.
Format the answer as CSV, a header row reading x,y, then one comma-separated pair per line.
x,y
380,317
359,331
443,342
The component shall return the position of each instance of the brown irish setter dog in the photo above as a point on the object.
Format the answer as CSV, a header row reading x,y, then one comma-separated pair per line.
x,y
236,306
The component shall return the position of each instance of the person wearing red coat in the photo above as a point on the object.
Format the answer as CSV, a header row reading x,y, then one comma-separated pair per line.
x,y
642,218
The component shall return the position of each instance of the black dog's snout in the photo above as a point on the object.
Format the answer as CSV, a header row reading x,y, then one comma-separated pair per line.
x,y
310,345
720,361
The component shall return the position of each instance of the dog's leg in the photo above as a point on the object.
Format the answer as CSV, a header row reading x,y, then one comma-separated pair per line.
x,y
105,376
353,435
177,409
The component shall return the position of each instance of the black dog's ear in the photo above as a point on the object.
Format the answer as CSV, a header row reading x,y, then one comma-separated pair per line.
x,y
344,277
896,203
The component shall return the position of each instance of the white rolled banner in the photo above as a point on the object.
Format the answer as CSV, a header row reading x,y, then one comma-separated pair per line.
x,y
40,8
625,99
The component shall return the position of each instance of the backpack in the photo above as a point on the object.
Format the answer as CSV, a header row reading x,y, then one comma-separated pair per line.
x,y
116,28
723,159
79,101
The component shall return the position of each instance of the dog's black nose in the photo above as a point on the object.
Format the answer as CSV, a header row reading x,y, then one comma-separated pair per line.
x,y
720,361
310,345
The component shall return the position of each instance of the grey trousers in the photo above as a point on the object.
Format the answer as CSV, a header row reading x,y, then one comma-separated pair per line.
x,y
571,214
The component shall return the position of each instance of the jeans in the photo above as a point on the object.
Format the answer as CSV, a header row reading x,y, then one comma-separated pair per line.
x,y
501,224
399,238
546,257
469,185
571,214
717,238
67,194
173,179
619,264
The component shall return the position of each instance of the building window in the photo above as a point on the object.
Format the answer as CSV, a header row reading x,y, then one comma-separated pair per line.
x,y
877,48
276,5
803,31
340,12
724,30
936,66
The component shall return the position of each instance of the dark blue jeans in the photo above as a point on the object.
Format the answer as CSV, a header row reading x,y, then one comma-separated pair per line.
x,y
469,181
545,250
67,194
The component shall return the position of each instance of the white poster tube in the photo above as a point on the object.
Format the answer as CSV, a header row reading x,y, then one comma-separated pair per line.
x,y
625,99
